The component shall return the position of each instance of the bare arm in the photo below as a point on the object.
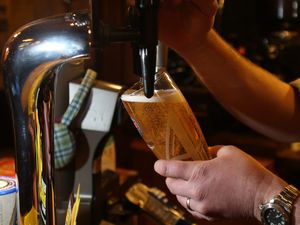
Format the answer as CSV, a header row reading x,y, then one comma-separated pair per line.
x,y
252,94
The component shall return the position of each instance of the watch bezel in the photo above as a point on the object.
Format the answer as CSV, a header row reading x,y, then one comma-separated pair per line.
x,y
276,206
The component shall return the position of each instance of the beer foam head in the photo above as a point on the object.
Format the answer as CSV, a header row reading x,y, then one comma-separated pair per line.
x,y
139,98
159,96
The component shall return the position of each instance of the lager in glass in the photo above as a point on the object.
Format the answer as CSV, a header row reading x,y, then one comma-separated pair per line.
x,y
165,121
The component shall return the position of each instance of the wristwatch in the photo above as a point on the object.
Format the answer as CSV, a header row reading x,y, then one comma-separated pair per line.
x,y
278,211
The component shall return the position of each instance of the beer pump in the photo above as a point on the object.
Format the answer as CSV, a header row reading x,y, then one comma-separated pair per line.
x,y
32,59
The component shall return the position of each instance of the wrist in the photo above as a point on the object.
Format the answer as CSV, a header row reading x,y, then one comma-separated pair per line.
x,y
198,47
278,207
267,189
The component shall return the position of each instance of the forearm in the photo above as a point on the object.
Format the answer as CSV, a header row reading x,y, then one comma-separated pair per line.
x,y
250,93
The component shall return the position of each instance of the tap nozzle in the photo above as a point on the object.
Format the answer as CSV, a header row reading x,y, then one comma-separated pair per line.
x,y
148,24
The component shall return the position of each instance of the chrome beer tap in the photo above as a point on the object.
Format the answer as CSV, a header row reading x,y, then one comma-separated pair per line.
x,y
32,58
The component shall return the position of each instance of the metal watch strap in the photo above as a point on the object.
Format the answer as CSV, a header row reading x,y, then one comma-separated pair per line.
x,y
278,210
288,196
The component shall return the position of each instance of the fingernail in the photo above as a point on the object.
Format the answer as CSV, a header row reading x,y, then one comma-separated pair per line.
x,y
157,165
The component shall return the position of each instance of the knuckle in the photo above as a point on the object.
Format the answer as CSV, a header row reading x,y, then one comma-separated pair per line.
x,y
200,171
166,170
198,180
198,193
169,183
203,209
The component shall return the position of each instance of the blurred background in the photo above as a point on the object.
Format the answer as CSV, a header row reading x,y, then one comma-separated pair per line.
x,y
265,31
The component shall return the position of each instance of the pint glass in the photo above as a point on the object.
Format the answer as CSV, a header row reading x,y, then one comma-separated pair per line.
x,y
165,121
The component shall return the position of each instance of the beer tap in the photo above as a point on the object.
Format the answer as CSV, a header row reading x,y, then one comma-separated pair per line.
x,y
32,58
141,31
147,44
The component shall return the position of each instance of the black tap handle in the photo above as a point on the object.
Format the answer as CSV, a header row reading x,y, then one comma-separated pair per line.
x,y
148,10
148,65
142,30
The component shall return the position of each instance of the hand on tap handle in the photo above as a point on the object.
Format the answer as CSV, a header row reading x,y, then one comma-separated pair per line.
x,y
181,25
187,27
184,23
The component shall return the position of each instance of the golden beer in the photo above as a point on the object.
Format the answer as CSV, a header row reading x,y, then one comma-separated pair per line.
x,y
167,124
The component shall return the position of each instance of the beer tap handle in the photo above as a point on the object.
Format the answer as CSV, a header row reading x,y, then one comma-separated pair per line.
x,y
142,31
148,13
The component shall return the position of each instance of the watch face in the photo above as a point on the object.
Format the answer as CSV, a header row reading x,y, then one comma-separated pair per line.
x,y
274,216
